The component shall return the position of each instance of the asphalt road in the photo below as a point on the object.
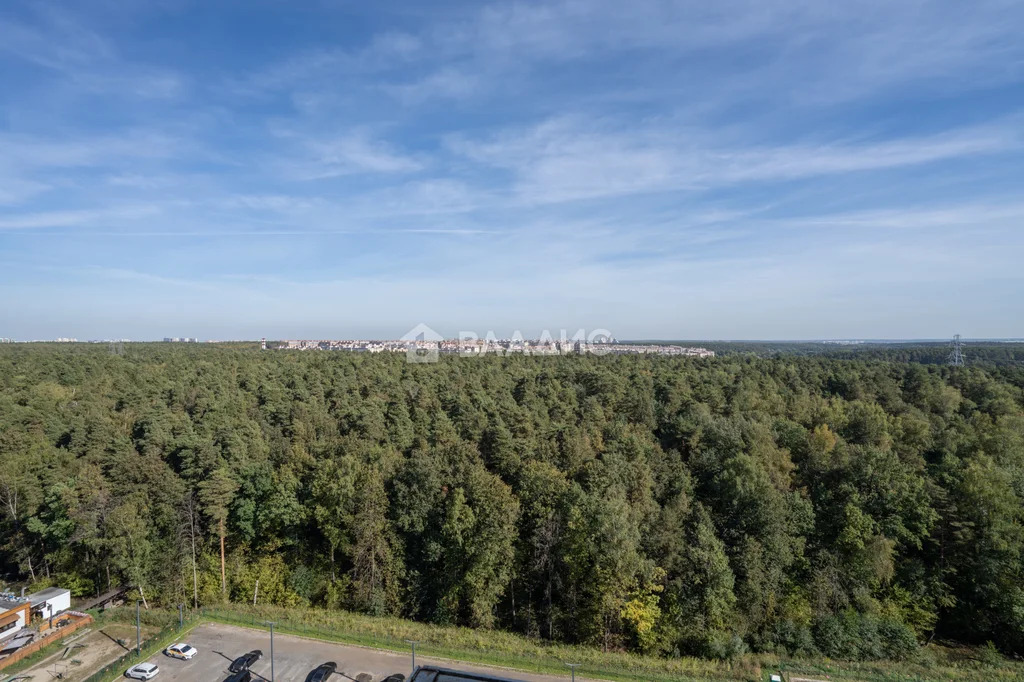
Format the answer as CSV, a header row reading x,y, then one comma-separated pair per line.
x,y
295,658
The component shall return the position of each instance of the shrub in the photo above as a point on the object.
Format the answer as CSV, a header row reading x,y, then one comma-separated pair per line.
x,y
898,640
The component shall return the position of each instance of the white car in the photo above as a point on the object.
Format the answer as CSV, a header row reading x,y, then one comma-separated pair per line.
x,y
181,650
142,671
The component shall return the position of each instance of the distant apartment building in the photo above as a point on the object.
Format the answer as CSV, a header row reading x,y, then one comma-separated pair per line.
x,y
180,339
475,347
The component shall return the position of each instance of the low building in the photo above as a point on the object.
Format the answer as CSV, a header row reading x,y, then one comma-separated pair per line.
x,y
14,615
49,602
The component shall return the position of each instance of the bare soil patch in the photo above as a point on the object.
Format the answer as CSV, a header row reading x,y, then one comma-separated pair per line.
x,y
84,653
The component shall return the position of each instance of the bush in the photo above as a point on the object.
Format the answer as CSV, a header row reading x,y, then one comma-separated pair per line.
x,y
725,646
792,638
863,637
898,640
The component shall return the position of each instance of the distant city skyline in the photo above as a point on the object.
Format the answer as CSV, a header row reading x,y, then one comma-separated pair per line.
x,y
662,169
529,338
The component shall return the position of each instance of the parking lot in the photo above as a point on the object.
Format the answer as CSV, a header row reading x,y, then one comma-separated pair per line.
x,y
295,658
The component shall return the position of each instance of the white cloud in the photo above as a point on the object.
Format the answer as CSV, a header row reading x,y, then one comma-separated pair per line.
x,y
15,190
659,159
77,217
567,159
347,154
445,83
88,61
810,52
384,51
976,218
68,150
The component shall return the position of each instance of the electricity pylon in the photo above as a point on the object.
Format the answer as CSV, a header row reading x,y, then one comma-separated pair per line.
x,y
956,356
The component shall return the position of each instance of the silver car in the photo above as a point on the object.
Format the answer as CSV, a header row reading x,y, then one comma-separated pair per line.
x,y
142,671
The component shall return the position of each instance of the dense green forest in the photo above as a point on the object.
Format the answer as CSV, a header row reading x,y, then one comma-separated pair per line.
x,y
980,354
848,506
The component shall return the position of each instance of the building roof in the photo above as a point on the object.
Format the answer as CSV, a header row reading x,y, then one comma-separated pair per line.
x,y
47,594
12,640
11,604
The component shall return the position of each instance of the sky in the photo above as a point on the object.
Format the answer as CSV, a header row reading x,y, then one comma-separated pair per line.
x,y
738,169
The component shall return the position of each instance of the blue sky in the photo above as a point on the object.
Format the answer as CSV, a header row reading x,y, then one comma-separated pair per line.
x,y
725,170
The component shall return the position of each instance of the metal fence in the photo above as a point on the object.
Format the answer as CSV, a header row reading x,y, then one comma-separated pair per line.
x,y
151,645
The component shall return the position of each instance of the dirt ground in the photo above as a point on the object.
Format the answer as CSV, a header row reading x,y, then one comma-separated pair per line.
x,y
91,649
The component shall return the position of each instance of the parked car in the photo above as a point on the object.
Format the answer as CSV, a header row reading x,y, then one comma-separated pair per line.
x,y
142,671
397,677
181,650
240,676
245,661
322,672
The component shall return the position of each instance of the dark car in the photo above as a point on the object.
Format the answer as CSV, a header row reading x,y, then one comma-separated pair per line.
x,y
322,672
240,676
245,661
397,677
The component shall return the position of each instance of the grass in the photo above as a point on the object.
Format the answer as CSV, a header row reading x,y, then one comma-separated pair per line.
x,y
507,650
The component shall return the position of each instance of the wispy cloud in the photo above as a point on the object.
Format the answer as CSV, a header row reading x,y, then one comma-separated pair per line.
x,y
63,43
384,51
347,154
15,190
681,168
973,217
566,159
446,83
78,217
85,150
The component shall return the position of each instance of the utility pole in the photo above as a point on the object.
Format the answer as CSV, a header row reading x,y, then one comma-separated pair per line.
x,y
271,624
573,666
414,642
956,356
138,626
181,616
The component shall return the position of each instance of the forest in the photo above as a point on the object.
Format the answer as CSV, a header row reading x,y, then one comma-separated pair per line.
x,y
848,505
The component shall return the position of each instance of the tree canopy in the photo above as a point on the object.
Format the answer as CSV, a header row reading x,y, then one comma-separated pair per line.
x,y
852,505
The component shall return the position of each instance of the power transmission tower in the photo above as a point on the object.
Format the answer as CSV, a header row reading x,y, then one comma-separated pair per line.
x,y
956,356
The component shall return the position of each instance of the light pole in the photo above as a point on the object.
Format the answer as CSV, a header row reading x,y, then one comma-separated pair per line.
x,y
414,642
138,628
181,616
573,666
271,624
